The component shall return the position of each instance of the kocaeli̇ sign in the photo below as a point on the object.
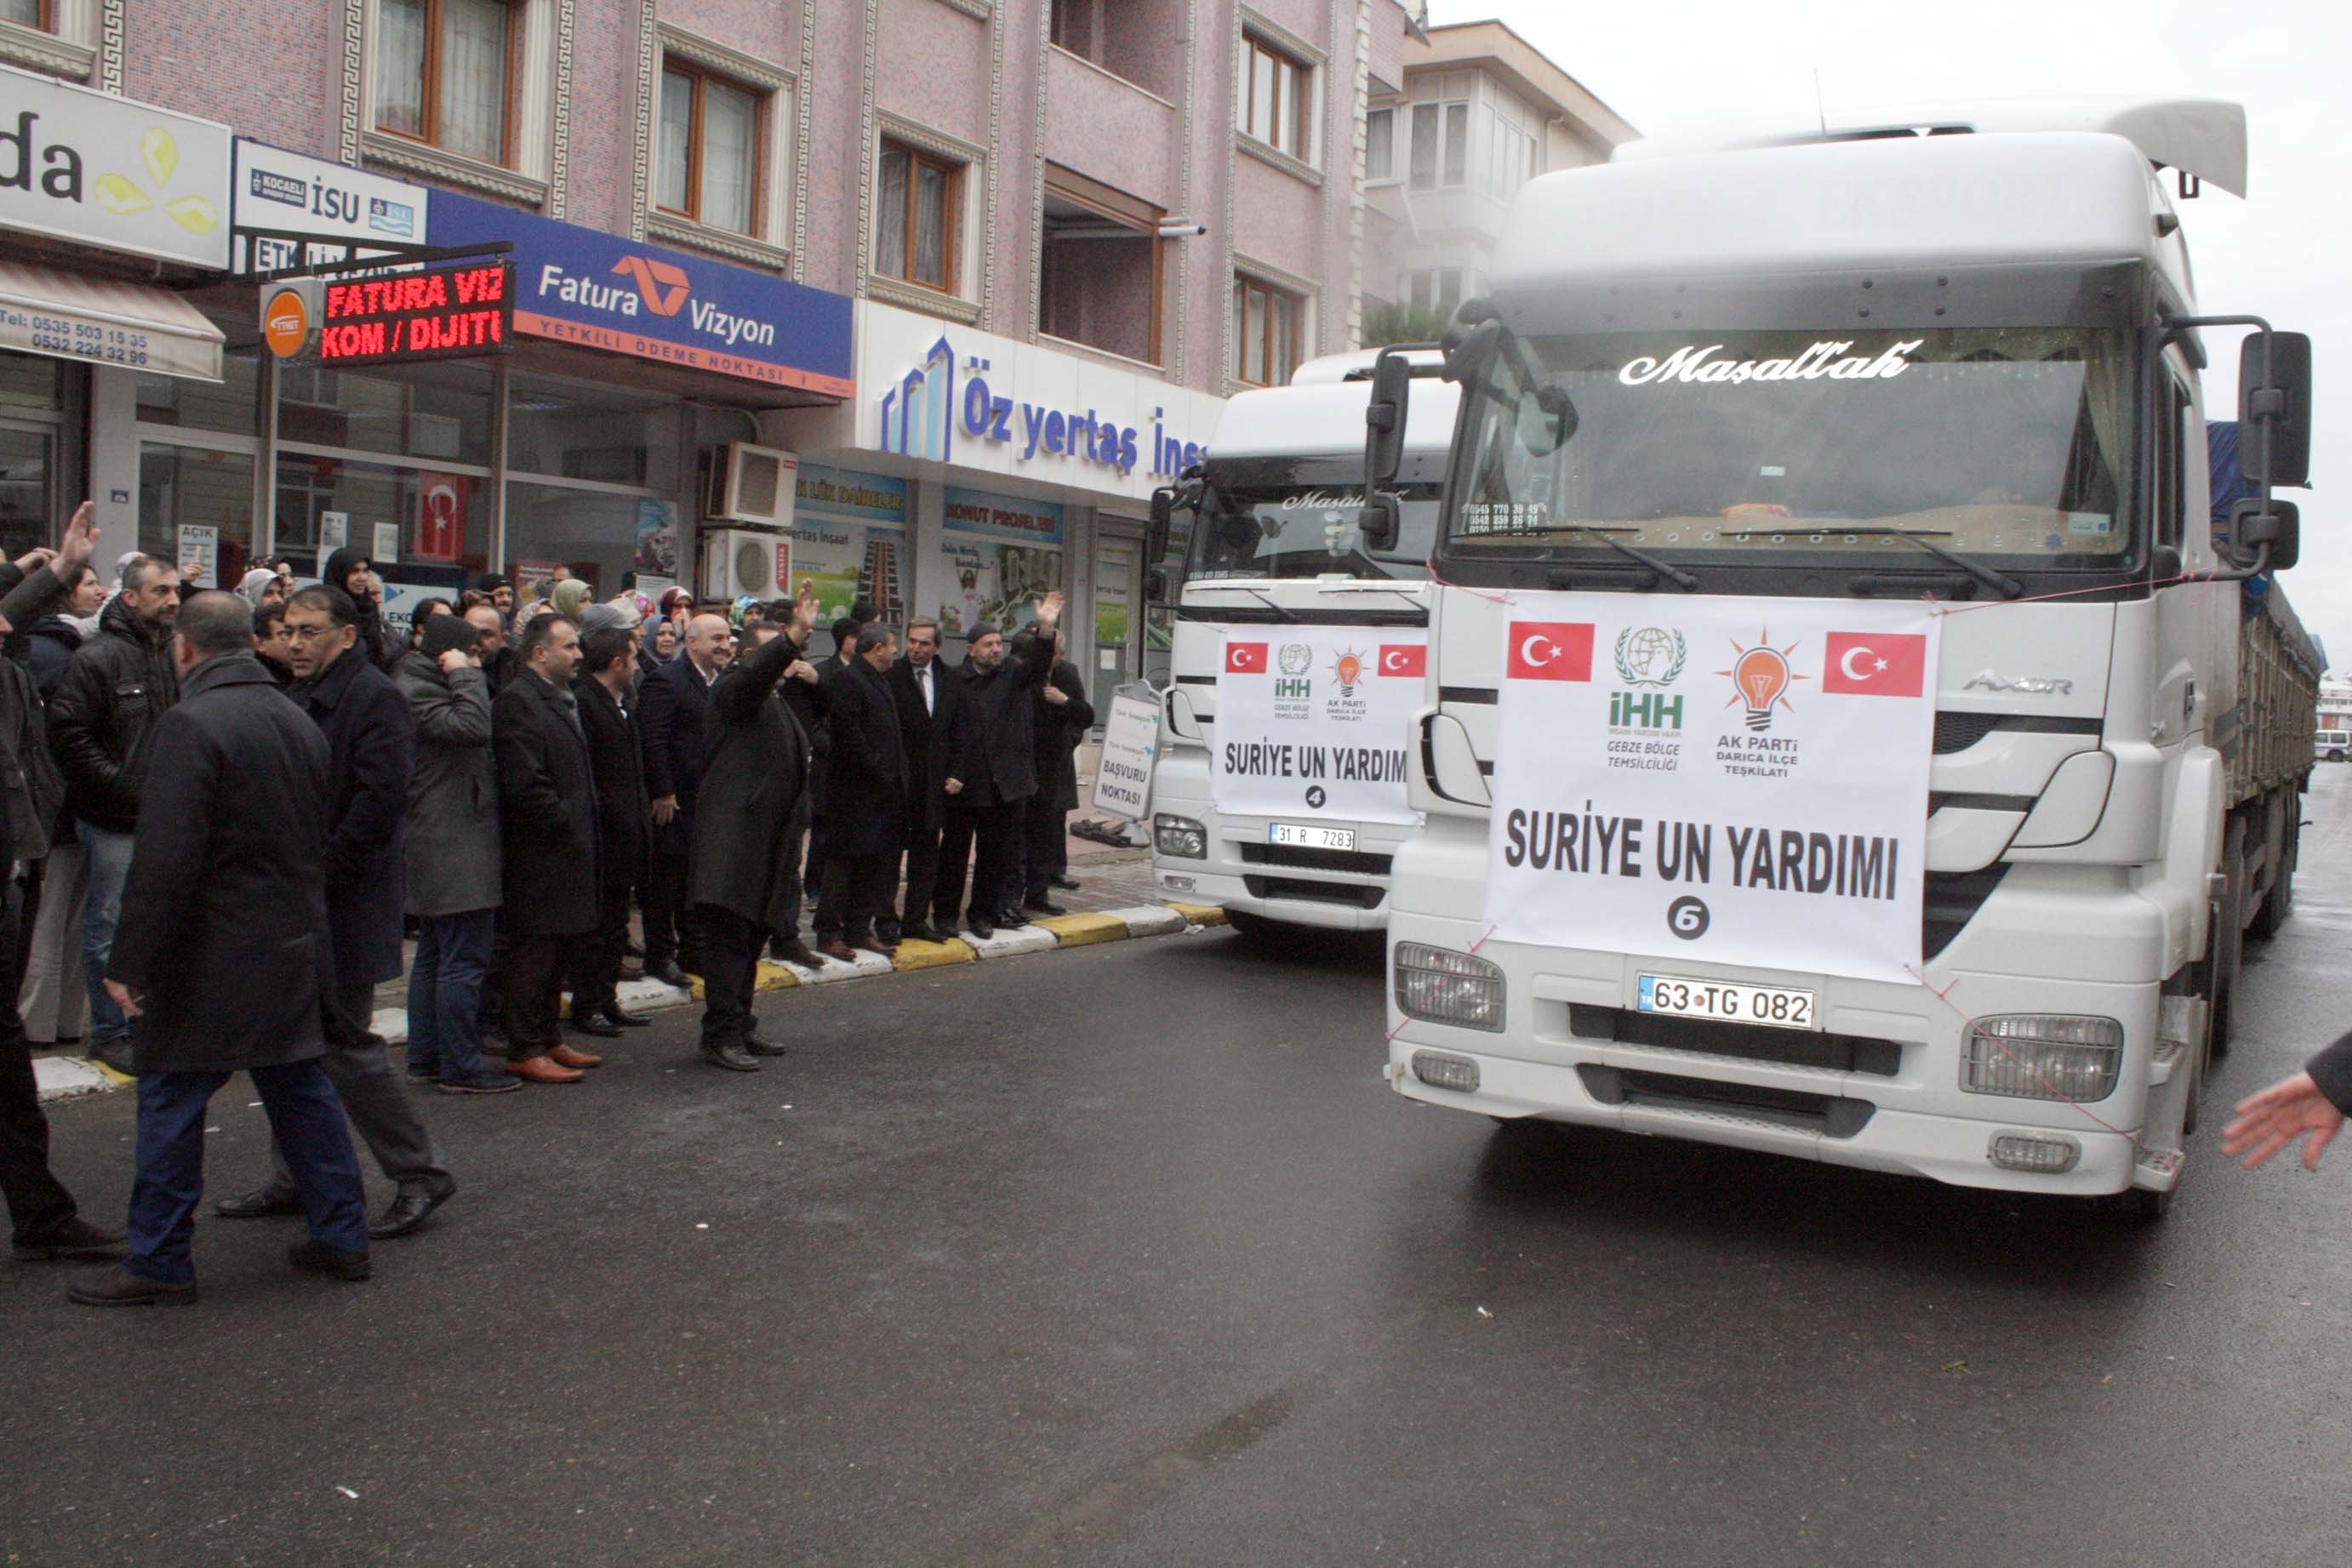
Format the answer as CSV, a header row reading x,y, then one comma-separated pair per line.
x,y
293,199
575,284
1725,781
112,172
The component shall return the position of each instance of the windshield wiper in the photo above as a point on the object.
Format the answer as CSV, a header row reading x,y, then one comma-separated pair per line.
x,y
1674,574
2006,587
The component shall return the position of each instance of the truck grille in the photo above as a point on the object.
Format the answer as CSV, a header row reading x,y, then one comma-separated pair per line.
x,y
1299,887
1356,863
1830,1115
1953,898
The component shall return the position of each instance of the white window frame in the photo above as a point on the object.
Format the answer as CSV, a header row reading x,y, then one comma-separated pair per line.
x,y
773,203
967,302
1396,173
533,145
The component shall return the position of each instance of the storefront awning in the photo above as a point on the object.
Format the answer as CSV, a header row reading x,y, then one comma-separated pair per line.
x,y
101,321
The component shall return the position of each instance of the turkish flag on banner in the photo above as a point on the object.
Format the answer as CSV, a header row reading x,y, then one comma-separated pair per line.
x,y
1245,658
1403,659
1874,664
1551,651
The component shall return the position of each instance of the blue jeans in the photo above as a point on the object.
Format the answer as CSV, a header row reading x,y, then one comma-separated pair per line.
x,y
109,868
445,993
305,1120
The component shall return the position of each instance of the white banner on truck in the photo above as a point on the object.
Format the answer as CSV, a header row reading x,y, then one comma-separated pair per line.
x,y
1313,721
1720,779
1130,740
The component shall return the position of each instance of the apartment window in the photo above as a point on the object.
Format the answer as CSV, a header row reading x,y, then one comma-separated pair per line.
x,y
1380,145
1437,288
920,217
1267,322
40,13
1078,25
712,131
1511,156
445,74
1275,107
1441,145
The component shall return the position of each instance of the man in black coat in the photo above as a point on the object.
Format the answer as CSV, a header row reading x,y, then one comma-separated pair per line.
x,y
45,1219
102,721
1063,718
844,645
803,693
616,760
221,957
930,732
998,765
866,801
669,721
370,750
547,799
741,873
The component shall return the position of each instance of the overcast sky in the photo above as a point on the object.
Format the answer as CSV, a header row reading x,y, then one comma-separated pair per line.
x,y
1673,65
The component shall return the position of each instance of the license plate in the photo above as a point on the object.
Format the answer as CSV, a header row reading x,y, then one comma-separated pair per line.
x,y
1302,836
1776,1006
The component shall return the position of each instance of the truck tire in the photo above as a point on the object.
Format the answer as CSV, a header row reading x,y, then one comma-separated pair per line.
x,y
2229,942
2279,902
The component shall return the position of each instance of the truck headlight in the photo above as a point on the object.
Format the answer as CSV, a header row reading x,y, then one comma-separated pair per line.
x,y
1439,986
1180,837
2042,1056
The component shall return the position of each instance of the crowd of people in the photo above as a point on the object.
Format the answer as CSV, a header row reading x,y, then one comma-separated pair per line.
x,y
229,809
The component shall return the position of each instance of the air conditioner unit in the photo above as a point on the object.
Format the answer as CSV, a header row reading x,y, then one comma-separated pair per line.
x,y
737,562
754,485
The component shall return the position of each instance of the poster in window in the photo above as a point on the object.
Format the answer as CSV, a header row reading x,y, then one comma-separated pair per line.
x,y
656,538
849,541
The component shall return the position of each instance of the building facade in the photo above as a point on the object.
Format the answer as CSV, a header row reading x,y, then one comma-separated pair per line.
x,y
1474,112
985,267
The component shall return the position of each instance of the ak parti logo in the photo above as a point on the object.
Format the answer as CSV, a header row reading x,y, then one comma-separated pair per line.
x,y
663,286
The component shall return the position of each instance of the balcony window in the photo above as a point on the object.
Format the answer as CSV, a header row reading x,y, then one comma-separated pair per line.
x,y
1266,329
1274,107
712,133
445,74
1380,145
920,220
1441,145
1101,280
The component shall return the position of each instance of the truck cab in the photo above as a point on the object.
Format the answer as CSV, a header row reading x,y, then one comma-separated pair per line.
x,y
1271,541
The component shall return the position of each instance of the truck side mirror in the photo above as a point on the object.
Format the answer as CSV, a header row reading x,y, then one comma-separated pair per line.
x,y
1164,521
1155,586
1384,421
2279,525
1381,521
2274,405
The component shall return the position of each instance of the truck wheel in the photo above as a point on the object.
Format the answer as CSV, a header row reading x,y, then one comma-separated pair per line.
x,y
2229,944
2280,901
2335,754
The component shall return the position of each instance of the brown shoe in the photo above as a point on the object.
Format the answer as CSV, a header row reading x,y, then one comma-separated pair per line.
x,y
875,944
564,1056
539,1069
837,948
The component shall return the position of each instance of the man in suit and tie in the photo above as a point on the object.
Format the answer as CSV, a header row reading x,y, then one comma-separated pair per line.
x,y
616,762
930,729
669,719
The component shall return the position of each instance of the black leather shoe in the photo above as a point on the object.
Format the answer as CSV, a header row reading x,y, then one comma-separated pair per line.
x,y
668,974
626,1020
1042,906
406,1212
733,1058
77,1238
979,927
326,1261
758,1047
1013,918
120,1288
597,1024
799,952
1066,884
919,932
265,1204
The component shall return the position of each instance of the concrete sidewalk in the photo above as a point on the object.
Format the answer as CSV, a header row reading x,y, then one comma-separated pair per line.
x,y
1113,904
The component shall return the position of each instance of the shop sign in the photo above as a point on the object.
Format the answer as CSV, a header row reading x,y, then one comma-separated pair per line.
x,y
112,173
1003,556
1001,516
1130,740
973,400
849,541
332,208
599,290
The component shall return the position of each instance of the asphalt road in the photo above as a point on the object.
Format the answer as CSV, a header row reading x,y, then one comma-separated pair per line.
x,y
1126,1256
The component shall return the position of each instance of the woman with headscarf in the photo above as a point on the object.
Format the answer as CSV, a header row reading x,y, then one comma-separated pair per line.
x,y
347,569
570,598
261,586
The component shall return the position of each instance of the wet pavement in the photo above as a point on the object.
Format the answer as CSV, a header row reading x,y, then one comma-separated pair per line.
x,y
1126,1255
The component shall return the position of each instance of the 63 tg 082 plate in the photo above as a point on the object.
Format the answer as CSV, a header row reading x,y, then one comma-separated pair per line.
x,y
1776,1006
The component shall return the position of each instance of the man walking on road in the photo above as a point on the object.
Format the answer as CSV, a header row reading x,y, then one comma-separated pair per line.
x,y
548,812
739,879
999,769
616,762
101,722
930,732
371,752
218,959
670,713
45,1220
865,803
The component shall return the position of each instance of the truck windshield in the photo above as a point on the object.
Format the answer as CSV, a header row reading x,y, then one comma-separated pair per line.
x,y
2003,443
1306,529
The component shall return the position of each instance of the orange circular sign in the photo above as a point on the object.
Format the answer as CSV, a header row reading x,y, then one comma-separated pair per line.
x,y
286,323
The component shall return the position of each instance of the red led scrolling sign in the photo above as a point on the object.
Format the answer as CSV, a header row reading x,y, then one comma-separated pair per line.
x,y
432,313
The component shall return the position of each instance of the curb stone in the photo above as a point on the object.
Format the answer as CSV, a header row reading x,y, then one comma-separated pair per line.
x,y
71,1077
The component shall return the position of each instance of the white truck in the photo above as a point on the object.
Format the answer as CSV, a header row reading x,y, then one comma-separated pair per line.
x,y
1948,357
1272,544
